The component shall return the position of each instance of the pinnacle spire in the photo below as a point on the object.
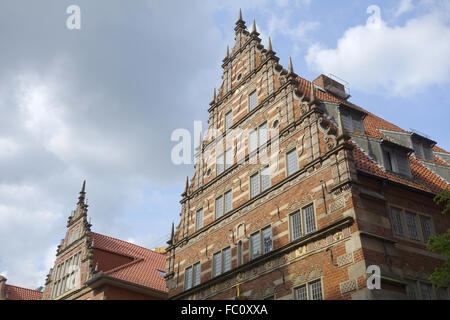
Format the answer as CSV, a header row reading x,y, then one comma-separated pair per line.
x,y
81,198
187,185
240,24
214,95
291,68
254,27
228,51
269,45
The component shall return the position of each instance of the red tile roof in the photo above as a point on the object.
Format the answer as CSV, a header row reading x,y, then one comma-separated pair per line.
x,y
424,178
18,293
143,270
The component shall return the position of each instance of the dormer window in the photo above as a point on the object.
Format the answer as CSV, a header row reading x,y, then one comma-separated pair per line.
x,y
396,160
422,149
352,121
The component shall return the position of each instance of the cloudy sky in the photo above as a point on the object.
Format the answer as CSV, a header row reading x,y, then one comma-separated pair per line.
x,y
100,103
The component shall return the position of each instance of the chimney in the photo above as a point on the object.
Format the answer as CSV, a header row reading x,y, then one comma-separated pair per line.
x,y
332,86
2,287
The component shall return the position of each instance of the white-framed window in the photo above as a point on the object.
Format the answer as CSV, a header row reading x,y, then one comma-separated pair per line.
x,y
228,120
414,226
221,262
261,242
252,100
258,137
224,161
291,162
302,224
199,220
309,291
192,276
66,275
223,204
259,182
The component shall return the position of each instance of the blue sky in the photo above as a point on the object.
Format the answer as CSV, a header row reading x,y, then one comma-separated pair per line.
x,y
100,103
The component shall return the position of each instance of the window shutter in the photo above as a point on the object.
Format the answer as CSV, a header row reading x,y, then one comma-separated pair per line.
x,y
265,179
357,124
256,245
226,259
296,228
253,141
228,158
412,226
267,239
228,199
188,278
292,162
219,164
217,264
397,222
426,227
219,207
402,163
347,121
309,219
253,100
418,150
199,220
228,120
263,134
254,185
196,274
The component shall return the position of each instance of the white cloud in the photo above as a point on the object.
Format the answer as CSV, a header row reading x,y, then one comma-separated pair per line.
x,y
404,6
399,60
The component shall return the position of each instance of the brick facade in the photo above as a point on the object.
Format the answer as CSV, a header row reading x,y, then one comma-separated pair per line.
x,y
351,227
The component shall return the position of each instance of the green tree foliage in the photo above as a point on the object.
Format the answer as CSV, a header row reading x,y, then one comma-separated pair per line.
x,y
441,244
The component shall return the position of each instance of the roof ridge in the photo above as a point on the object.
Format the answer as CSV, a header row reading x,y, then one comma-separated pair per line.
x,y
10,285
123,266
123,241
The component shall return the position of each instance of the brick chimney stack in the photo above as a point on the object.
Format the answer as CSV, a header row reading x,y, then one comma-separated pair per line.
x,y
332,86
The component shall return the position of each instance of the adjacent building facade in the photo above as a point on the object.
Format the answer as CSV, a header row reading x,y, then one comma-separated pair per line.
x,y
92,266
10,292
297,192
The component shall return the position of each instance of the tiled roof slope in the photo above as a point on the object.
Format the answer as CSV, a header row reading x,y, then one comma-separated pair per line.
x,y
18,293
143,270
424,179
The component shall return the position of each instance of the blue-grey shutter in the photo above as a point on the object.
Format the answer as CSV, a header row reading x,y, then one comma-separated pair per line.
x,y
228,120
296,228
188,278
263,134
226,259
220,164
199,220
228,199
196,274
253,100
217,264
219,207
267,240
292,162
265,179
253,141
309,219
397,222
254,185
256,245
